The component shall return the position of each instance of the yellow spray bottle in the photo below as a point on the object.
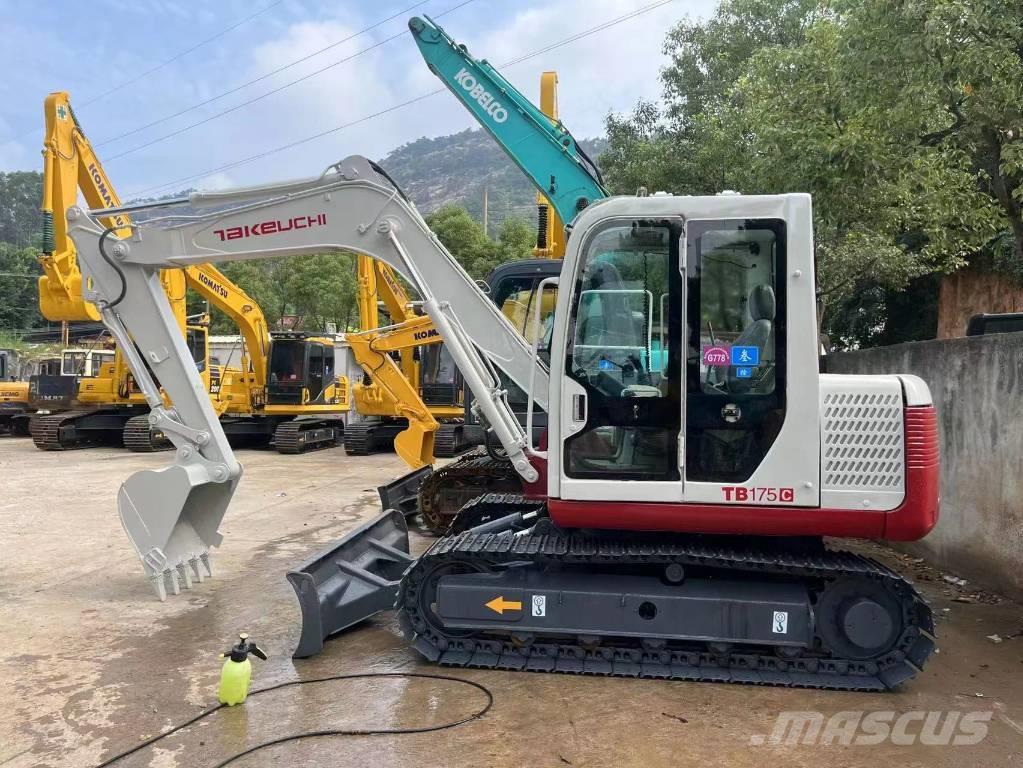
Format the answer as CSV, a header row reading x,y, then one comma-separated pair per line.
x,y
237,671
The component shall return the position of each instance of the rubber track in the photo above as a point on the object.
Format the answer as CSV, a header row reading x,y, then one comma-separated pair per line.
x,y
45,430
138,436
483,509
449,488
448,441
693,662
288,433
359,438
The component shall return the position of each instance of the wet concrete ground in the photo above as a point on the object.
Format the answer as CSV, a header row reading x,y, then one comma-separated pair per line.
x,y
91,663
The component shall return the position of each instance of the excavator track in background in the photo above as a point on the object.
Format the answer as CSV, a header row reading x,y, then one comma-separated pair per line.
x,y
449,440
301,436
454,485
365,437
846,591
140,437
490,508
56,431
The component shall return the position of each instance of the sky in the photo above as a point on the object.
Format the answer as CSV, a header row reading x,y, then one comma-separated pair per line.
x,y
108,54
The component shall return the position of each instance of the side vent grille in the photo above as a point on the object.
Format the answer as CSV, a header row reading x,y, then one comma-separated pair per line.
x,y
863,444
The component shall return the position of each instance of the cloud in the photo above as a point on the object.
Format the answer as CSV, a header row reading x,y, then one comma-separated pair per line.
x,y
607,71
216,181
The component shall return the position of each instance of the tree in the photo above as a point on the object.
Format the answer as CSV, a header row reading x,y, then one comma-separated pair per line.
x,y
463,236
975,52
311,291
21,222
324,290
787,95
19,296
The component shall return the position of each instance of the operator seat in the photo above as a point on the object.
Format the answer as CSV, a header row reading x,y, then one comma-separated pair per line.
x,y
758,334
614,324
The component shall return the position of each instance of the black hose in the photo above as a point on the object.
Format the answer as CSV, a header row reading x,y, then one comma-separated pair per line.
x,y
113,265
594,170
328,731
379,169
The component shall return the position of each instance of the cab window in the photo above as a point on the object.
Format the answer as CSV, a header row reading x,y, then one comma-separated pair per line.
x,y
625,325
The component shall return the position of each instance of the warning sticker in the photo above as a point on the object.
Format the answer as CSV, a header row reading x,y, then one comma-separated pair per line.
x,y
780,626
539,605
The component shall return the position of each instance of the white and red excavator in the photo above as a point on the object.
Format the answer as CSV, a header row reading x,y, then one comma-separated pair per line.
x,y
670,521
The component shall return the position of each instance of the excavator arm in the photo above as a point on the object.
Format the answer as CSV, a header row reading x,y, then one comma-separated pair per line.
x,y
371,349
172,515
216,288
541,146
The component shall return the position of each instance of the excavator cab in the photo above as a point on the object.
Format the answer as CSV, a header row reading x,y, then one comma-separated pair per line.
x,y
439,380
675,347
301,370
13,393
514,288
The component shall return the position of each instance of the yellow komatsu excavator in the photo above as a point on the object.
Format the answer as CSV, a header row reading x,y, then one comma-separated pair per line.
x,y
106,407
286,392
393,410
15,408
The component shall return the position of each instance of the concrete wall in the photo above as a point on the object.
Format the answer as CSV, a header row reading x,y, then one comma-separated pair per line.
x,y
977,385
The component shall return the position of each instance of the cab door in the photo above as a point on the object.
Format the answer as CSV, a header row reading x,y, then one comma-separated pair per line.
x,y
315,380
622,398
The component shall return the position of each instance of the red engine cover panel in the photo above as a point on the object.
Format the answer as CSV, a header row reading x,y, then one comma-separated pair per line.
x,y
911,520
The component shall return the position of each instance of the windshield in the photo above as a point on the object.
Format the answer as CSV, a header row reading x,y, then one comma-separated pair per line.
x,y
287,361
73,364
621,308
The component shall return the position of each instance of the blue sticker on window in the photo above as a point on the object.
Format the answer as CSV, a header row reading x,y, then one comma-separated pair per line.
x,y
746,356
744,372
605,365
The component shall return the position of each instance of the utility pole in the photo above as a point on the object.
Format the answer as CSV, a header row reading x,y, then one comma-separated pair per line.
x,y
485,209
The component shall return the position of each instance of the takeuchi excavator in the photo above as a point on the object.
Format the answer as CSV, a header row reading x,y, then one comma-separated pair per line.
x,y
671,519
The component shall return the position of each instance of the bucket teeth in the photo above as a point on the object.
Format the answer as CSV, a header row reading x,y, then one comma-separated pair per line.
x,y
201,567
171,576
185,573
158,585
181,576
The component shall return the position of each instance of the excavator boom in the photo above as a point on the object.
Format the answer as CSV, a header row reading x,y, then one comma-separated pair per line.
x,y
70,165
172,515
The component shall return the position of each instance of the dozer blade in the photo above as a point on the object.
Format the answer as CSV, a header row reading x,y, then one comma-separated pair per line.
x,y
403,494
351,581
171,516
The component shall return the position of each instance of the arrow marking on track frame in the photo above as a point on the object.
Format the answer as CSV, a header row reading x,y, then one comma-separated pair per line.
x,y
499,605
